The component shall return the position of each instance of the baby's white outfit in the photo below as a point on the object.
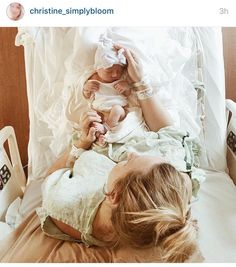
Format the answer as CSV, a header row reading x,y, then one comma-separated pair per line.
x,y
107,96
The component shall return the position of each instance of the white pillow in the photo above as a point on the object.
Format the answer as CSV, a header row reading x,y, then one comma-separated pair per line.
x,y
215,121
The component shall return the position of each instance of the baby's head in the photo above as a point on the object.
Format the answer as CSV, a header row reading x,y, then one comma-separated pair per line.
x,y
112,73
110,63
152,207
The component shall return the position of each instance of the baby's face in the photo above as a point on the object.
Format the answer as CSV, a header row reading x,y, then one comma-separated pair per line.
x,y
15,10
111,74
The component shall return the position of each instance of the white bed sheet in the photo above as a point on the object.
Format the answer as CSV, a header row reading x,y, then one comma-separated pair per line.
x,y
214,82
216,214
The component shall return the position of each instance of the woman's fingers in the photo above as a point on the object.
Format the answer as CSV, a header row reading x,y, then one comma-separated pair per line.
x,y
90,113
130,58
91,134
90,117
118,47
128,54
88,120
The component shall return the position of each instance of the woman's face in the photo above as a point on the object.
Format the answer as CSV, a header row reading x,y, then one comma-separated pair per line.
x,y
134,163
111,74
15,10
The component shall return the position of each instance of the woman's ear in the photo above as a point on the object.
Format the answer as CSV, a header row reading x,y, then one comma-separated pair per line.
x,y
113,198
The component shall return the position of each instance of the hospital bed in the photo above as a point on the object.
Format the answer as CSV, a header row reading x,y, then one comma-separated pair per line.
x,y
190,69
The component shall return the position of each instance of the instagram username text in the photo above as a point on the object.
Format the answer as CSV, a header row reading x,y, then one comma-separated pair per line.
x,y
72,11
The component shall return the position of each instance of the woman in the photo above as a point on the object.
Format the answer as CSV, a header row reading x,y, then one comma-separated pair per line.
x,y
145,201
15,11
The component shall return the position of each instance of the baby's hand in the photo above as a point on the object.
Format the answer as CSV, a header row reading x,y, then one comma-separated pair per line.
x,y
122,87
90,88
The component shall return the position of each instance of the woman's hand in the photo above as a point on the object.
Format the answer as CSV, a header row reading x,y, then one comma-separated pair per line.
x,y
159,116
88,132
85,141
135,68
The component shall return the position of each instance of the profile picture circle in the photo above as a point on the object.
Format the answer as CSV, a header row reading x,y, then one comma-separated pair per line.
x,y
15,11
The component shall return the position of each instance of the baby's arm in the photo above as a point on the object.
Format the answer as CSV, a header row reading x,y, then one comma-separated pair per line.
x,y
90,87
123,88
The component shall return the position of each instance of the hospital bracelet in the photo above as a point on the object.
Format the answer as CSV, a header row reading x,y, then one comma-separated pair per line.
x,y
145,93
76,152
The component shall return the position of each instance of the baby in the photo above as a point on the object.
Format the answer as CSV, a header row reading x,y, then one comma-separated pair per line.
x,y
107,88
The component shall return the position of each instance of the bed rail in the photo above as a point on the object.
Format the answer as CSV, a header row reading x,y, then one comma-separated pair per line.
x,y
12,177
231,138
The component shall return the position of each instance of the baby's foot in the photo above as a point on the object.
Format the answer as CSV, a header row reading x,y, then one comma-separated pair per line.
x,y
99,127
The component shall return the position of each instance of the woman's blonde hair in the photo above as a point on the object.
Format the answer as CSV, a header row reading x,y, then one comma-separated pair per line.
x,y
153,209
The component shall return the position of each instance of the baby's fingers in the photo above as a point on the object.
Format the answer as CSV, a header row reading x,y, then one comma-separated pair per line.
x,y
120,90
93,88
93,84
118,87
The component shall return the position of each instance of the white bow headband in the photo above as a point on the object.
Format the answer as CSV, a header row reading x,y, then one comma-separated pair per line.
x,y
106,55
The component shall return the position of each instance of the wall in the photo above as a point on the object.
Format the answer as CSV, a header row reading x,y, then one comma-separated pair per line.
x,y
229,41
13,97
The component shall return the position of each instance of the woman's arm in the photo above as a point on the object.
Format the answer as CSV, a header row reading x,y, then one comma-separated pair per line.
x,y
155,115
85,141
60,163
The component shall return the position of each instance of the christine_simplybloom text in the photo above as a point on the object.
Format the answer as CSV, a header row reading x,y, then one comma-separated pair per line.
x,y
71,11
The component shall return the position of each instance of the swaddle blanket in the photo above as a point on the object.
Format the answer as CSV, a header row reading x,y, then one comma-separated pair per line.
x,y
106,55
